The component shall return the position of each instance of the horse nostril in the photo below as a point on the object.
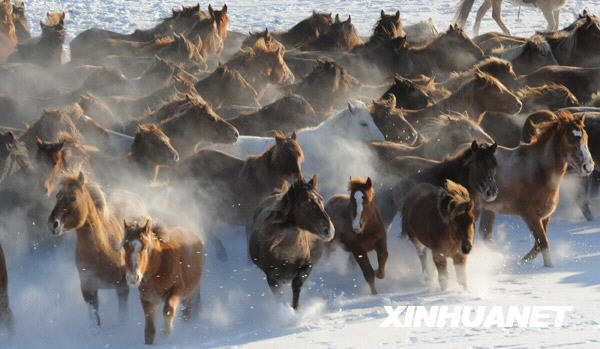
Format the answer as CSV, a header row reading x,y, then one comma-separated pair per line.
x,y
55,224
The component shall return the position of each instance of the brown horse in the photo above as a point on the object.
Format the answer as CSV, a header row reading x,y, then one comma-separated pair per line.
x,y
391,122
8,37
483,93
5,312
81,206
341,36
327,86
287,114
440,219
20,21
261,65
14,157
46,50
193,123
358,227
452,51
583,82
269,39
51,123
524,192
387,27
473,167
576,45
225,181
151,148
533,54
286,238
306,30
499,68
227,86
408,95
211,31
166,266
55,159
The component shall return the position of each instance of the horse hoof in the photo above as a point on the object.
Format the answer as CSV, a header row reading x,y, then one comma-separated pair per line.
x,y
380,274
548,265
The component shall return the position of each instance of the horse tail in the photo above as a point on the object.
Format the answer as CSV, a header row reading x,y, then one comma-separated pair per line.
x,y
462,12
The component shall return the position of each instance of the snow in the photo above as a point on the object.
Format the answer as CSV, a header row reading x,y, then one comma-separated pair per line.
x,y
336,309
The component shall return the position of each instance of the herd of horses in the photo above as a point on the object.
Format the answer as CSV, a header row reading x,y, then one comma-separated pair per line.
x,y
144,142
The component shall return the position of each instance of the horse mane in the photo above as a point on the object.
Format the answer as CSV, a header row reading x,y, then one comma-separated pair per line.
x,y
567,38
557,122
93,189
452,30
529,91
488,65
434,126
381,31
158,229
537,42
457,193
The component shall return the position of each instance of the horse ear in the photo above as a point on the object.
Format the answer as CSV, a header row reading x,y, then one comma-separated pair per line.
x,y
148,226
349,20
81,179
224,8
313,182
62,16
210,9
580,118
350,108
369,182
397,14
314,12
474,146
337,18
39,142
125,225
294,136
42,25
382,13
494,147
266,31
10,136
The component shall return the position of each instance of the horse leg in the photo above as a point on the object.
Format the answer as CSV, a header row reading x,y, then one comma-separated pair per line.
x,y
549,15
556,15
149,314
215,241
275,287
123,296
541,243
486,225
91,298
441,261
169,311
365,265
487,4
191,304
582,198
422,253
497,16
382,256
297,283
460,262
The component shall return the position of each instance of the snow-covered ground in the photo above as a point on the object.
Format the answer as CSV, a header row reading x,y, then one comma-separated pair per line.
x,y
336,307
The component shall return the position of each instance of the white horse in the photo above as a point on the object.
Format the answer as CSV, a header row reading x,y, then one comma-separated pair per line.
x,y
550,9
335,149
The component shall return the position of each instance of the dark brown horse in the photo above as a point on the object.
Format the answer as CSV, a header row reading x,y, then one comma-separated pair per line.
x,y
306,30
287,235
50,125
5,312
391,122
20,21
227,86
81,206
440,219
14,157
225,181
533,54
408,95
287,114
576,45
166,266
261,65
450,52
46,50
387,27
529,177
483,93
499,68
583,82
358,227
341,36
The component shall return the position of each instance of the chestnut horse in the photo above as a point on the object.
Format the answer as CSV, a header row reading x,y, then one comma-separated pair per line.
x,y
358,227
5,312
166,266
529,177
8,37
20,21
81,206
440,219
225,181
46,50
341,36
286,238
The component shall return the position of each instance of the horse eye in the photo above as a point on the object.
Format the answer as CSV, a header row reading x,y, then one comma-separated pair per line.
x,y
73,199
364,124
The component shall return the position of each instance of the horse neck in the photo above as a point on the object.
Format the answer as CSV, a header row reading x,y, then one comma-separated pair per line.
x,y
544,155
95,233
260,170
455,170
160,258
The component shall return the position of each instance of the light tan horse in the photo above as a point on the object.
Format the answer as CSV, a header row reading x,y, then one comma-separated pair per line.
x,y
166,266
8,36
81,206
529,177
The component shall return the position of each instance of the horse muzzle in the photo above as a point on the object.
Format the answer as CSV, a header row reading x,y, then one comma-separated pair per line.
x,y
489,193
466,247
328,233
133,279
56,227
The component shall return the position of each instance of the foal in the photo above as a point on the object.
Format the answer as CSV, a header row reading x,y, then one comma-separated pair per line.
x,y
287,236
165,266
81,206
441,219
359,228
